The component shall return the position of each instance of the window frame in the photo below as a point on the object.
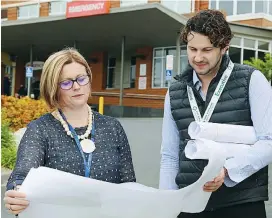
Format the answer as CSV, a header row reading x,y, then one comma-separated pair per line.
x,y
163,58
108,70
236,16
176,4
132,67
29,14
60,12
256,46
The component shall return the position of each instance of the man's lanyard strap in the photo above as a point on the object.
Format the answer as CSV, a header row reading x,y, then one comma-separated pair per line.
x,y
216,95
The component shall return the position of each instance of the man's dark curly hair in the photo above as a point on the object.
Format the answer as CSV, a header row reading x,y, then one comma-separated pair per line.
x,y
210,23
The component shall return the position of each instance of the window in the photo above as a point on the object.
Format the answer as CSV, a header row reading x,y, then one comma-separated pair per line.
x,y
260,6
157,74
228,6
249,43
183,58
239,7
57,7
243,48
181,7
114,71
124,3
28,11
111,72
235,54
244,7
248,54
263,45
132,72
236,41
213,4
225,5
4,14
159,64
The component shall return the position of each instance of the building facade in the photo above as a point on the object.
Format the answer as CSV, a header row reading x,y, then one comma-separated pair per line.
x,y
125,42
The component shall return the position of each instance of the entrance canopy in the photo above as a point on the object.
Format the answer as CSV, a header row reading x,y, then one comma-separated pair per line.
x,y
143,25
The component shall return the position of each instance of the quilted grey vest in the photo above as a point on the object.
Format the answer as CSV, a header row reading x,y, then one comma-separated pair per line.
x,y
232,108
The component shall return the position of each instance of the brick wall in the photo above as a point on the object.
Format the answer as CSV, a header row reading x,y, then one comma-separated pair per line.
x,y
132,97
97,63
44,9
256,22
267,23
12,13
201,5
20,74
115,3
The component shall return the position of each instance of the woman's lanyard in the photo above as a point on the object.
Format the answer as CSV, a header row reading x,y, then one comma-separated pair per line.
x,y
87,164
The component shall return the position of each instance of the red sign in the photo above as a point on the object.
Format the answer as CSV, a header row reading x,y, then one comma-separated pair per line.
x,y
87,8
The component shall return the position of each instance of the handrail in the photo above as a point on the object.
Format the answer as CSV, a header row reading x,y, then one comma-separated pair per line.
x,y
129,95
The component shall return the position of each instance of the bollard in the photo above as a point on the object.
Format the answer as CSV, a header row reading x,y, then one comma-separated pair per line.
x,y
101,105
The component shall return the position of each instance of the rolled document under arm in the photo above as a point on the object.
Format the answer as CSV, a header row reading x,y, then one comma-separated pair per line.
x,y
226,133
202,146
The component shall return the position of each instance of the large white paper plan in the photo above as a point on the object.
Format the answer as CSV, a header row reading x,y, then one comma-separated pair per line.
x,y
56,194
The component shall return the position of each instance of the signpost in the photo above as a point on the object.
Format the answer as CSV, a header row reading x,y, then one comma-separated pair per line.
x,y
169,68
29,75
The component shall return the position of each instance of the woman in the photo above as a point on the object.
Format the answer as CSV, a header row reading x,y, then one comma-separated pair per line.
x,y
72,138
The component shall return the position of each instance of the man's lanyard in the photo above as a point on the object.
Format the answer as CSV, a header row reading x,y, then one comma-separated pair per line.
x,y
87,164
216,95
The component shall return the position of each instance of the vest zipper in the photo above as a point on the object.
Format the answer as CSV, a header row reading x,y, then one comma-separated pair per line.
x,y
198,96
206,102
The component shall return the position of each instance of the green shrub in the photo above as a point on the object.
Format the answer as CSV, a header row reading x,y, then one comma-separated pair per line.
x,y
265,66
8,148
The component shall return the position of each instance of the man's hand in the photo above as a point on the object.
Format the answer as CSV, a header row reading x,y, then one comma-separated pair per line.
x,y
216,183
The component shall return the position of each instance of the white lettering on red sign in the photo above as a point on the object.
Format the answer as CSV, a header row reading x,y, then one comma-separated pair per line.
x,y
87,7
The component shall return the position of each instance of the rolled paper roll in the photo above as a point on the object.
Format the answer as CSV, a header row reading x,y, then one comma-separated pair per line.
x,y
223,132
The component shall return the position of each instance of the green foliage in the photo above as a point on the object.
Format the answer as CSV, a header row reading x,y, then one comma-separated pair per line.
x,y
264,66
8,148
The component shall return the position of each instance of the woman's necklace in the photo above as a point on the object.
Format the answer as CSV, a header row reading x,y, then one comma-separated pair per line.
x,y
87,145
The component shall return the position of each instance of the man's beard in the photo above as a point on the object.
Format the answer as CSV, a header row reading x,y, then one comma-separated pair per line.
x,y
210,71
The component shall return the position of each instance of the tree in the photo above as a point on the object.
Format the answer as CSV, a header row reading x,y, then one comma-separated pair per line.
x,y
265,66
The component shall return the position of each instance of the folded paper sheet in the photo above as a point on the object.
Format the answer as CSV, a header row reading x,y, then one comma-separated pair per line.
x,y
57,194
223,132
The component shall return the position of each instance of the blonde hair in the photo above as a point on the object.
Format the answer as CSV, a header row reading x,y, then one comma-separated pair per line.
x,y
51,73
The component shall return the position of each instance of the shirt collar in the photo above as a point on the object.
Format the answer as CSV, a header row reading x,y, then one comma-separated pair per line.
x,y
196,81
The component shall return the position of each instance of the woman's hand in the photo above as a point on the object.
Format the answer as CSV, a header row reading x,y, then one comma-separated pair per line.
x,y
15,201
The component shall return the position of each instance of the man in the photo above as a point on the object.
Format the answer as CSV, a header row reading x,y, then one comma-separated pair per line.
x,y
6,84
36,89
22,92
245,100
